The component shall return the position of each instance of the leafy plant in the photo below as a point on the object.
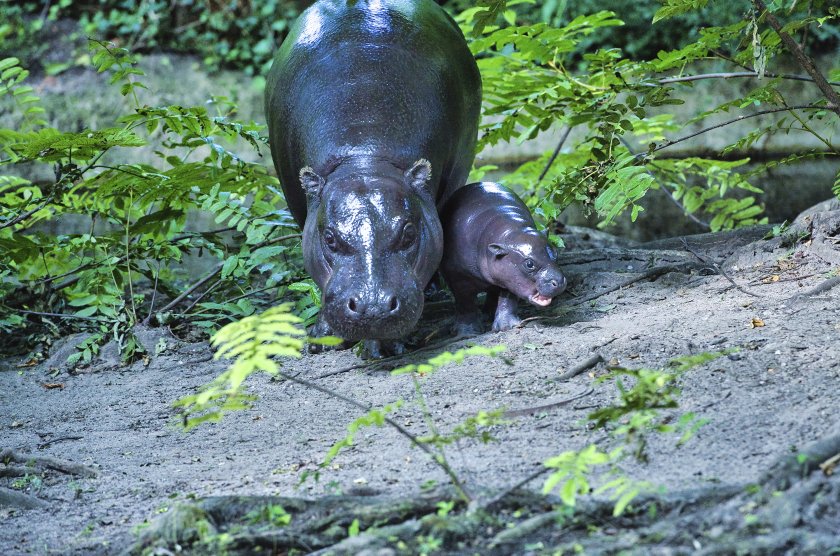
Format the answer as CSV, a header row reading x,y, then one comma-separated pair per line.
x,y
433,444
252,343
101,280
539,76
243,34
637,415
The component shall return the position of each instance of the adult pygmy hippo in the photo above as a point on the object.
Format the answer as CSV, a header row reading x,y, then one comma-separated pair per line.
x,y
492,245
372,109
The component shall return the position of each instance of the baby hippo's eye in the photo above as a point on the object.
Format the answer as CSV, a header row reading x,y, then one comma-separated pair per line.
x,y
529,264
409,236
329,240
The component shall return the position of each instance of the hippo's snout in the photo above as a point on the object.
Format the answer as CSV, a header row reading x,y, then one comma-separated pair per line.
x,y
383,314
382,306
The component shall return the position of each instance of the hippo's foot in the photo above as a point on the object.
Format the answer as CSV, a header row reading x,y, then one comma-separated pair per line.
x,y
505,322
468,325
379,349
319,330
506,312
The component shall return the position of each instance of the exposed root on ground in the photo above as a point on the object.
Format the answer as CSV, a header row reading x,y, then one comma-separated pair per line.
x,y
8,456
792,510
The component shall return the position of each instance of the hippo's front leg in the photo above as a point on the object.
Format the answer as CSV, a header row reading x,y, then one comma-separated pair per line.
x,y
319,330
505,312
378,349
467,315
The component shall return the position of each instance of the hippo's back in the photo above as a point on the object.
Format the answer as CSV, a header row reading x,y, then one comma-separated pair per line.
x,y
478,205
387,79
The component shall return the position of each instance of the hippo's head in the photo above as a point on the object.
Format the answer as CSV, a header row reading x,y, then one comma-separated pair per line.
x,y
372,241
525,264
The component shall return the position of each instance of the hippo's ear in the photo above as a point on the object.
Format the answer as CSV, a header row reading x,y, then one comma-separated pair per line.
x,y
419,173
497,250
311,182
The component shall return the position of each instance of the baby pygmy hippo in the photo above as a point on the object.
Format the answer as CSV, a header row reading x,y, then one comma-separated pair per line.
x,y
492,245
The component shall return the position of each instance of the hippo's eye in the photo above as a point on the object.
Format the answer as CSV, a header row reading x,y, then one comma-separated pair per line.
x,y
529,264
330,240
409,236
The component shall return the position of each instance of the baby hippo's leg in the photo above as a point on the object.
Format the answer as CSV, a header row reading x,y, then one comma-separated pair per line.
x,y
505,312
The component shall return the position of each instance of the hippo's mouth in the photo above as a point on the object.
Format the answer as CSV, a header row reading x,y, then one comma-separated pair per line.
x,y
540,300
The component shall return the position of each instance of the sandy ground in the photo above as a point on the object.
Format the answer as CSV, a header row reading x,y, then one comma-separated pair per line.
x,y
778,392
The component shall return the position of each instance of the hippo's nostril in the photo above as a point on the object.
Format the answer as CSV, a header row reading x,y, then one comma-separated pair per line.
x,y
352,305
554,283
394,305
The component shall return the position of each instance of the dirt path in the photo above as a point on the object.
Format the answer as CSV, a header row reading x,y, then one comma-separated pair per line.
x,y
774,396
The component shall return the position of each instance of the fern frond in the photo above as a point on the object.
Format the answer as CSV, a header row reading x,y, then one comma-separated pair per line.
x,y
252,343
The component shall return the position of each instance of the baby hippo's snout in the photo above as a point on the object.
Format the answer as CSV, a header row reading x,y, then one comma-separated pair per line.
x,y
551,283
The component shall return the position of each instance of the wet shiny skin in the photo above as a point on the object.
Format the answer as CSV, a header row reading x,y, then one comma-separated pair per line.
x,y
360,93
492,245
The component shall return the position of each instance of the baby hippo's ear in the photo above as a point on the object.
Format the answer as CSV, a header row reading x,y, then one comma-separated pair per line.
x,y
312,183
497,250
419,173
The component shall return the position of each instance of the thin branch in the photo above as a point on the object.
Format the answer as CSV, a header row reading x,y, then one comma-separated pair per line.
x,y
738,119
278,239
177,301
668,193
802,58
556,152
204,294
26,214
399,428
717,268
57,315
729,75
154,297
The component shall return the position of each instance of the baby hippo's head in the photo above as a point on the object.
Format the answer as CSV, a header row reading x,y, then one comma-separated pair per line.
x,y
525,264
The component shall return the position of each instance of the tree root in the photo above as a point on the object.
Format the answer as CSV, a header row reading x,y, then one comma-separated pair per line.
x,y
15,499
791,510
10,456
818,289
14,471
794,467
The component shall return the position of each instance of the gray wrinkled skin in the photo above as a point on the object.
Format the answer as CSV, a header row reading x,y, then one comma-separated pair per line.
x,y
492,245
372,108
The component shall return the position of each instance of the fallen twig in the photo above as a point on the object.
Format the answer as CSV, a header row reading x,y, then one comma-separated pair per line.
x,y
545,407
717,268
57,440
581,367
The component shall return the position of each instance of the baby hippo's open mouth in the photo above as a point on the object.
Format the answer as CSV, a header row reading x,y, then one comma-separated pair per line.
x,y
540,300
